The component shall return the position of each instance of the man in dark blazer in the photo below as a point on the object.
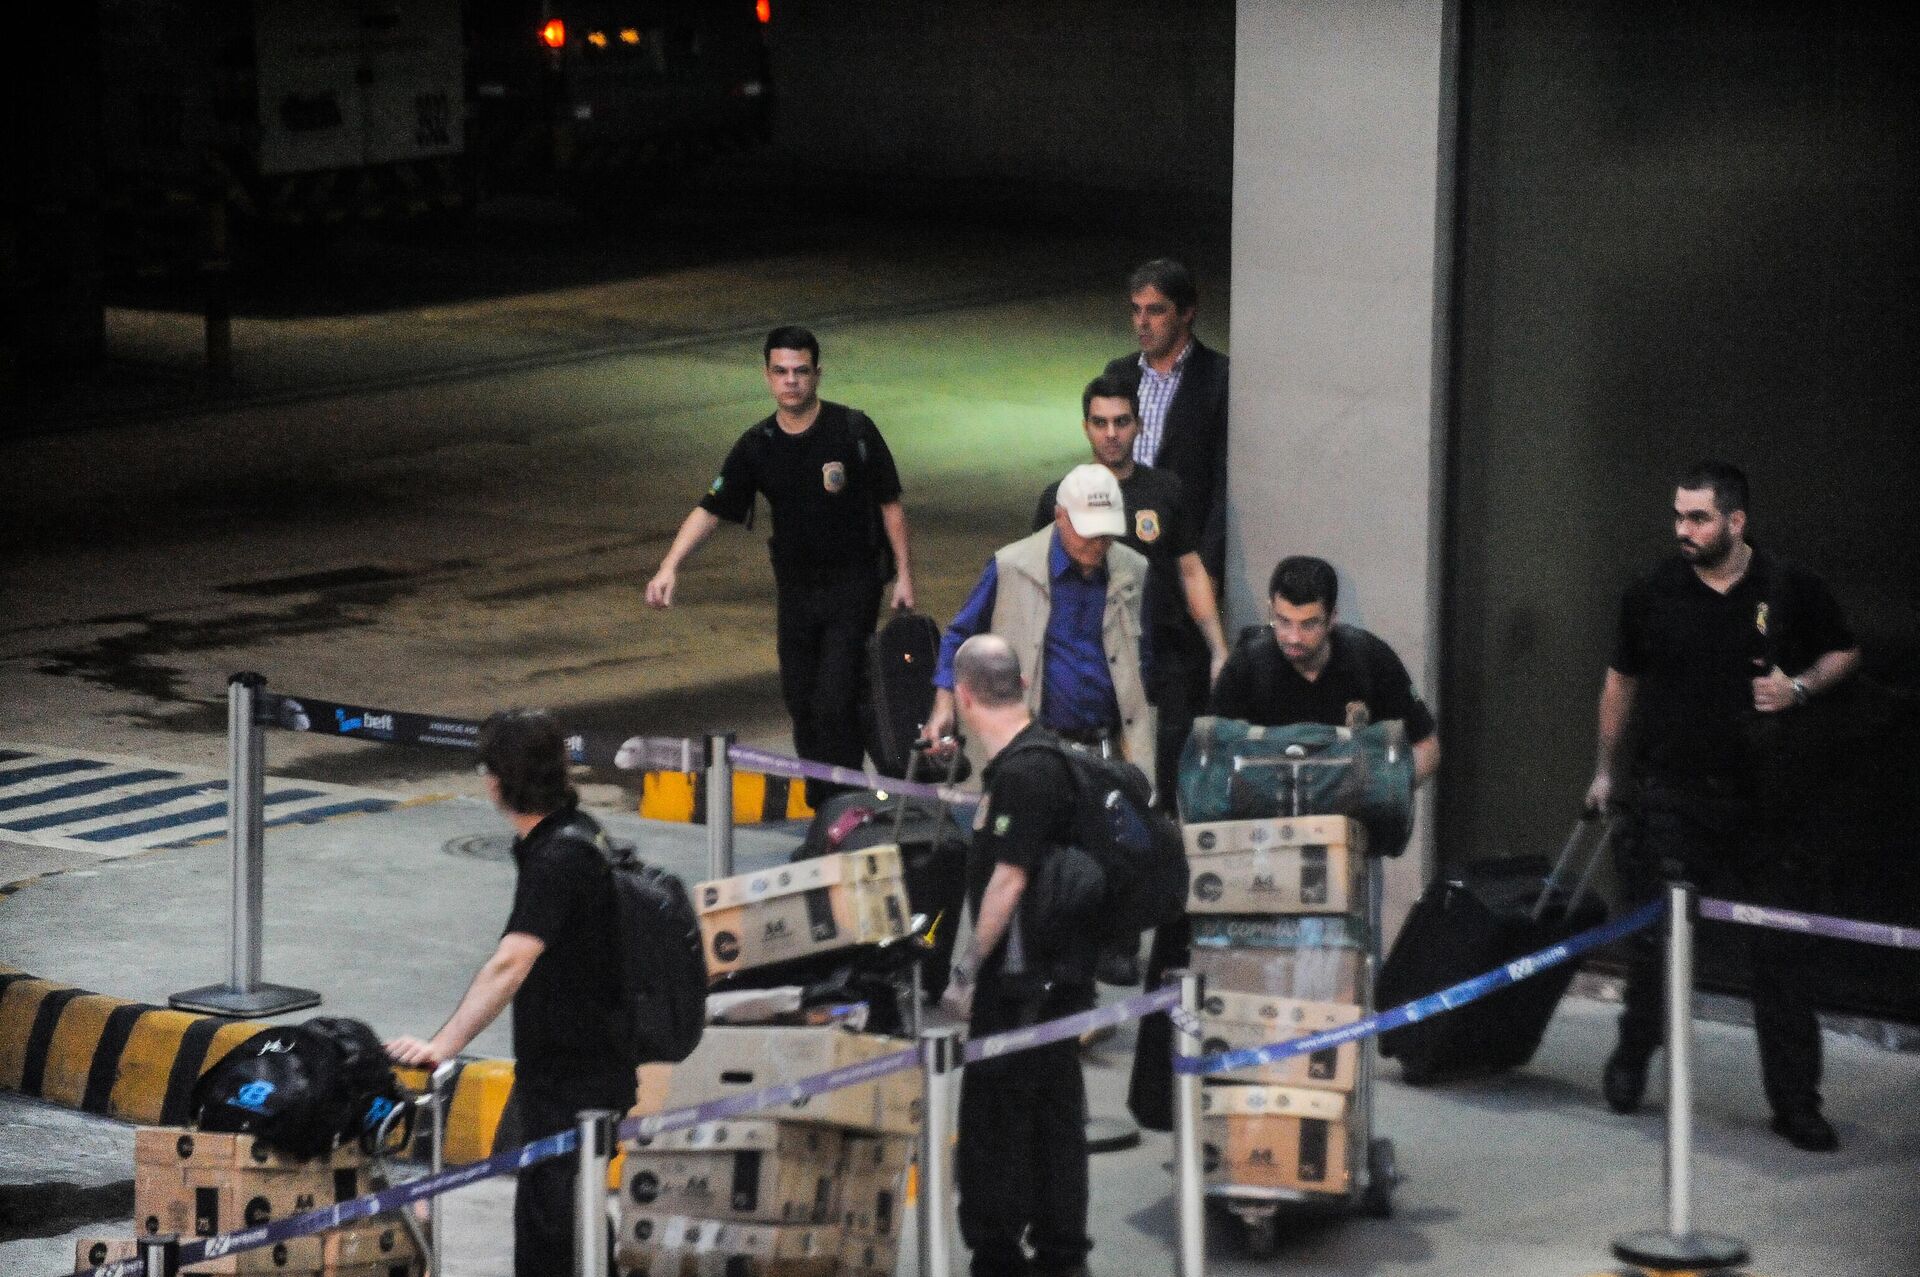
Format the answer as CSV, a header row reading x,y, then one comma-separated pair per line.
x,y
1182,386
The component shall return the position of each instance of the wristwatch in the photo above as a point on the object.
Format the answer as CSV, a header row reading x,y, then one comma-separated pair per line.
x,y
1800,693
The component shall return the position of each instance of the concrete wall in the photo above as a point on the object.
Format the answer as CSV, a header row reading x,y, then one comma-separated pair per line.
x,y
1338,139
952,96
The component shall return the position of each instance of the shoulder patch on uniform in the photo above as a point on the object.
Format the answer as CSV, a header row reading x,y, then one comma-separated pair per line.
x,y
1001,824
1760,617
719,481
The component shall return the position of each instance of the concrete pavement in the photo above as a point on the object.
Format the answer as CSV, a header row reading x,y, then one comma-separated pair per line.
x,y
1520,1176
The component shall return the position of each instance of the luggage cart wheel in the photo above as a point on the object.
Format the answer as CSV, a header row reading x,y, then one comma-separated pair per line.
x,y
1382,1174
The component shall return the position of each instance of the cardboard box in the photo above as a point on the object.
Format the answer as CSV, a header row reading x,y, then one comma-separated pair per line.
x,y
791,911
1235,1021
1315,975
651,1245
301,1255
379,1242
753,1171
733,1059
1309,864
1275,1137
865,1255
189,1150
205,1202
873,1189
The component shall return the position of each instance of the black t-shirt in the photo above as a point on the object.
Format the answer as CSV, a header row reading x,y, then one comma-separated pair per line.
x,y
563,1015
1159,527
1695,652
1027,813
1363,682
824,487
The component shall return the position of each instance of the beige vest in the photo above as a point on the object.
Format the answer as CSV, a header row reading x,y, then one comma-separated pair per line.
x,y
1020,610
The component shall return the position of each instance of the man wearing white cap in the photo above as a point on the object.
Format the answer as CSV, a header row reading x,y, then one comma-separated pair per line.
x,y
1070,602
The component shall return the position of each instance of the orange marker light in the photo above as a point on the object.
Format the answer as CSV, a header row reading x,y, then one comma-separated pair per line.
x,y
629,35
598,39
554,34
763,10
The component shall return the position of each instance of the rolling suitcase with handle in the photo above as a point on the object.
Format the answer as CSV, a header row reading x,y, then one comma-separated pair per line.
x,y
1489,913
899,695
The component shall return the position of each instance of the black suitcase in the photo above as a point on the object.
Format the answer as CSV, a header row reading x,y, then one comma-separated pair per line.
x,y
933,854
900,660
1488,914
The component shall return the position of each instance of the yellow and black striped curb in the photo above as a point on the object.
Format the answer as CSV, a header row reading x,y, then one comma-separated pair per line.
x,y
137,1063
682,796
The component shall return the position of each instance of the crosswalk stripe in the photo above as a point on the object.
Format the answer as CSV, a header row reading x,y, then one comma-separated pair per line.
x,y
81,788
106,805
65,767
118,807
192,816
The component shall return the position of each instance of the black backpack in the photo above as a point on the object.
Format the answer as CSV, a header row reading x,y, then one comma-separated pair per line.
x,y
662,962
1126,870
302,1089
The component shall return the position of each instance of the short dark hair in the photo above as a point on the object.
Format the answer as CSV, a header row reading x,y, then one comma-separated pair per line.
x,y
1302,579
1108,386
1728,481
990,669
792,337
1170,277
525,751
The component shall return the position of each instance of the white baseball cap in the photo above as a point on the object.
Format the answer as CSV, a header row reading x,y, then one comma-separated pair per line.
x,y
1091,497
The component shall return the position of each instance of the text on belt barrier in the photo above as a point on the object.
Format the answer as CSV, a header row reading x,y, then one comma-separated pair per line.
x,y
1433,1004
400,727
1072,1026
764,760
1812,924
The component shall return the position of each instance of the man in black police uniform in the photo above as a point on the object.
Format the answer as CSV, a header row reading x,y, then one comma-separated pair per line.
x,y
1189,647
1023,1147
1305,667
1717,648
1182,385
554,965
839,532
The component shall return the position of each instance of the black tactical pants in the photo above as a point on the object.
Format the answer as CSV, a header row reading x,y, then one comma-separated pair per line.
x,y
1023,1149
1706,832
543,1205
824,623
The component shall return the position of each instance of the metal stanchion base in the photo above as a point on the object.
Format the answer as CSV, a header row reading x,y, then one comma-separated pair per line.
x,y
262,999
1664,1252
1111,1134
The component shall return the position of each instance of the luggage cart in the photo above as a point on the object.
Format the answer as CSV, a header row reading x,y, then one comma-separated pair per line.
x,y
1373,1171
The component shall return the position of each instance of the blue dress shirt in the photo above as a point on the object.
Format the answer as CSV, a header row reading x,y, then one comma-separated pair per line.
x,y
1076,687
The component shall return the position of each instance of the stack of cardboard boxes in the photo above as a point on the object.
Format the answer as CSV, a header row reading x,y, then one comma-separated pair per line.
x,y
1277,908
203,1184
814,1187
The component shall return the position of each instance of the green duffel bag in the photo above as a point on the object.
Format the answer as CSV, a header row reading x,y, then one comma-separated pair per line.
x,y
1232,770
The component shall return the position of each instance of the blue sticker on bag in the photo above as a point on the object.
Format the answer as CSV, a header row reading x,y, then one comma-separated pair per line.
x,y
254,1095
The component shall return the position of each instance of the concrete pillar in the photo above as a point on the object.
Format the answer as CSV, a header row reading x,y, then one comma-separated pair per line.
x,y
1343,124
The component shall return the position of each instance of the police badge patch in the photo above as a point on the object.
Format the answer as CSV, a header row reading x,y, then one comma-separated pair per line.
x,y
833,476
1146,525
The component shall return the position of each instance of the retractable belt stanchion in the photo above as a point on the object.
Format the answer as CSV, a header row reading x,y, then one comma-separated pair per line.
x,y
590,1193
720,805
1190,1204
940,1061
438,1087
160,1255
243,994
1679,1247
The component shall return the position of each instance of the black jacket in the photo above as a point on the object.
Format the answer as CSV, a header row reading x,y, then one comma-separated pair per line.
x,y
1194,445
